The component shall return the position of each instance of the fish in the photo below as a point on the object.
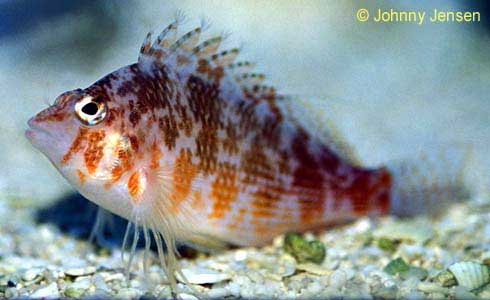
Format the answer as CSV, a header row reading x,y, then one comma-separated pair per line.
x,y
189,145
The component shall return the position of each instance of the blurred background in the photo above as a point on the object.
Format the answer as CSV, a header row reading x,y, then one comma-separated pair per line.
x,y
390,88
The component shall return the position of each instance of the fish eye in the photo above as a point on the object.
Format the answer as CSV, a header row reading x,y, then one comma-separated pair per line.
x,y
90,110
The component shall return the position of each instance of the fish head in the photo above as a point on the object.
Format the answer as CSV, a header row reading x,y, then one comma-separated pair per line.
x,y
54,129
86,137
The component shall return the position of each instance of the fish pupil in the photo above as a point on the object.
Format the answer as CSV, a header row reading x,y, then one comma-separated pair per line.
x,y
90,108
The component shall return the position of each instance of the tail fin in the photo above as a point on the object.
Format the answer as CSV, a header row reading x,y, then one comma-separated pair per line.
x,y
430,183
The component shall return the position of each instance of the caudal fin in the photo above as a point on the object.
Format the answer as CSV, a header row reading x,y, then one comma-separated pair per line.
x,y
428,184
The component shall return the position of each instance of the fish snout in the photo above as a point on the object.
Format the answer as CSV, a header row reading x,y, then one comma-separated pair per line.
x,y
37,125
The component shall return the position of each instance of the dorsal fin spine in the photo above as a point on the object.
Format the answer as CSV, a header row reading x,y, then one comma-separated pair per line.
x,y
188,40
208,47
168,36
241,67
146,46
225,58
250,79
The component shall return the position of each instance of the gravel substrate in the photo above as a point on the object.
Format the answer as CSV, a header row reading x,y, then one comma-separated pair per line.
x,y
40,261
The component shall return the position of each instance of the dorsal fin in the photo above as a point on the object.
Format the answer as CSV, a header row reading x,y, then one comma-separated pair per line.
x,y
189,55
321,125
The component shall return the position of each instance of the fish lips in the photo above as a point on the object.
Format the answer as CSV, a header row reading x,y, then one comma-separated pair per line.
x,y
37,134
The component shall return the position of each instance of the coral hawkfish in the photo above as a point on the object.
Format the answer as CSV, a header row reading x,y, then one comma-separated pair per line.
x,y
189,145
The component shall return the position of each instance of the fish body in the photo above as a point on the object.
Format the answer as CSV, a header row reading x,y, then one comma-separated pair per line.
x,y
190,144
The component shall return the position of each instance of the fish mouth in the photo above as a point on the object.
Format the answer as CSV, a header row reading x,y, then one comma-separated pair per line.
x,y
29,134
35,129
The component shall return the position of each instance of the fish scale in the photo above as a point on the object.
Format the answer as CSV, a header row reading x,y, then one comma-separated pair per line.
x,y
192,147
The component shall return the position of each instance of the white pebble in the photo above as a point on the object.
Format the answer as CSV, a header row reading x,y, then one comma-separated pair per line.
x,y
47,292
217,293
11,292
203,276
418,232
313,269
82,283
414,295
99,283
338,278
362,225
46,233
461,292
430,287
234,289
115,277
241,255
129,293
314,288
185,296
32,274
436,296
80,271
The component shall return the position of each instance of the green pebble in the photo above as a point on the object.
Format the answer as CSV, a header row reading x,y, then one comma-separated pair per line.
x,y
303,250
74,292
317,252
386,245
103,251
445,278
366,238
396,266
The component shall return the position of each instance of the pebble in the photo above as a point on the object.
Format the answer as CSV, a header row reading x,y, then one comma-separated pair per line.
x,y
234,289
313,269
240,255
339,278
385,292
49,291
73,292
314,287
296,282
436,296
82,282
163,291
429,287
408,231
129,293
32,274
461,292
185,296
218,293
80,271
134,283
52,275
99,283
274,268
203,276
414,295
11,292
115,277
